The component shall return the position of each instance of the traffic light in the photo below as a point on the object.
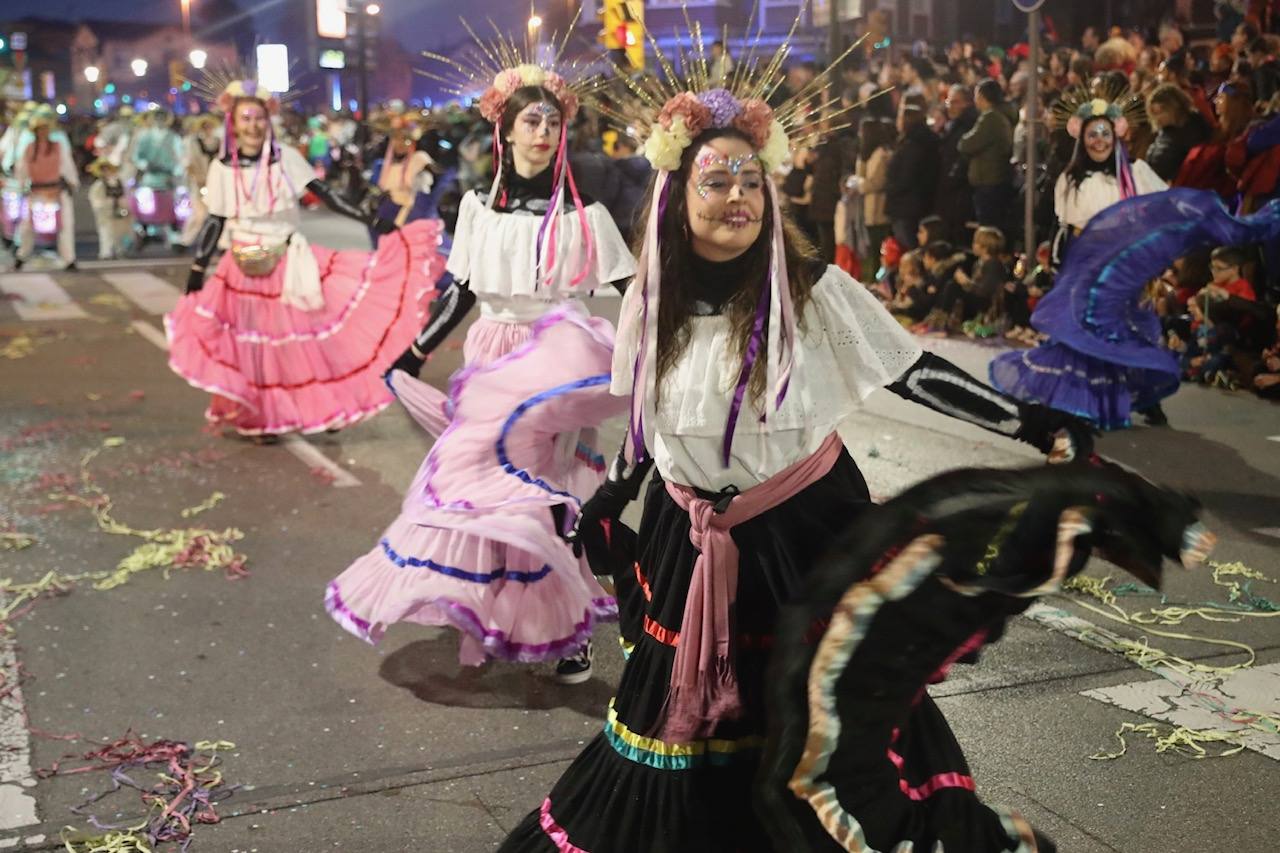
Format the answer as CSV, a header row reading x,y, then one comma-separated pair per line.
x,y
610,24
622,31
633,33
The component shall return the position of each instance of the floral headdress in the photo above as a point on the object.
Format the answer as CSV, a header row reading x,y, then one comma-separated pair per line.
x,y
496,68
682,106
1114,102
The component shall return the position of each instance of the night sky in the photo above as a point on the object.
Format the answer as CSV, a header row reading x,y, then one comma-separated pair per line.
x,y
419,24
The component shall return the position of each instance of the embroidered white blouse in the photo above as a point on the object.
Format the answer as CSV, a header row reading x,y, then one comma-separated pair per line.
x,y
848,346
496,253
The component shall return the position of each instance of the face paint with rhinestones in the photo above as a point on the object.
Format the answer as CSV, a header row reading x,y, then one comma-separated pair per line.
x,y
715,174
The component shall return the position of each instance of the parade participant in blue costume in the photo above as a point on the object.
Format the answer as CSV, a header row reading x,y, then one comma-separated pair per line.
x,y
404,174
1105,357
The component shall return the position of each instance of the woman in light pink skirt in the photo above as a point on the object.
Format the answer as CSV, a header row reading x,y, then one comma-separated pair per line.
x,y
477,544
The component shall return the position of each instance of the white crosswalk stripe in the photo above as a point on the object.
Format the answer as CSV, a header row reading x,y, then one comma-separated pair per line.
x,y
39,298
146,290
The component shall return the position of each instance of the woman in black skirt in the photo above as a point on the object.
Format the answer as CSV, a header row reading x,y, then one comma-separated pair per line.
x,y
744,355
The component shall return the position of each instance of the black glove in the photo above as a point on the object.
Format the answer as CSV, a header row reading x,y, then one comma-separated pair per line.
x,y
1041,426
195,280
382,226
599,531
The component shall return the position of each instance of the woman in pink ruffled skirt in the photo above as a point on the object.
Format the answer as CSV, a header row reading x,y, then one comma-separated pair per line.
x,y
286,336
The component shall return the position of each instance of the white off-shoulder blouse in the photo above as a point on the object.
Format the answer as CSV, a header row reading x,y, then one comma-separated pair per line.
x,y
848,346
496,254
1075,206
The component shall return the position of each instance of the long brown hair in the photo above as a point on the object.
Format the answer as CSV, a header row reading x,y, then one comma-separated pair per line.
x,y
676,298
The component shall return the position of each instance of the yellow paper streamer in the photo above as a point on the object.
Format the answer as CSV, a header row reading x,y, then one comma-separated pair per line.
x,y
212,501
1182,740
20,346
13,541
129,840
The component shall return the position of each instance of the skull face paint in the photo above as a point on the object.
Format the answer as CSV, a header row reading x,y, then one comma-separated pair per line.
x,y
725,194
1099,140
534,136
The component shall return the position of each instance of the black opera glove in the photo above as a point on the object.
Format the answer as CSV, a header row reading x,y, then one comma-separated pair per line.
x,y
940,385
446,312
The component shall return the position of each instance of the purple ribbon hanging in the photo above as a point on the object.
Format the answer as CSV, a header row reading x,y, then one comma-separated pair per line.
x,y
744,377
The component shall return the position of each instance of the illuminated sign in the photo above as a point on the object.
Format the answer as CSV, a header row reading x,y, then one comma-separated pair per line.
x,y
273,67
331,19
333,59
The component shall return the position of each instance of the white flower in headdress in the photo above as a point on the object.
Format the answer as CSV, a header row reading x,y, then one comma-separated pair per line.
x,y
531,75
1098,107
776,148
665,145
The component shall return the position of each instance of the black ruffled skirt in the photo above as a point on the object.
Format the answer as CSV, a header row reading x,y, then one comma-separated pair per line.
x,y
629,792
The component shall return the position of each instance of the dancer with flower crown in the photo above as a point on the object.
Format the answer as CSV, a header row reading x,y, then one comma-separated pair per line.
x,y
741,354
286,336
1105,358
477,544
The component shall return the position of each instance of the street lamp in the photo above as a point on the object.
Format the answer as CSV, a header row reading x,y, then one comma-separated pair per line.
x,y
91,73
139,67
535,21
372,9
198,58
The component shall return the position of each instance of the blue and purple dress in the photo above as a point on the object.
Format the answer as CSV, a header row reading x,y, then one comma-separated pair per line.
x,y
1105,356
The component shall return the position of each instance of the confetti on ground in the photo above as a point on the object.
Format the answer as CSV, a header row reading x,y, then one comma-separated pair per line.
x,y
189,787
14,541
1234,704
212,501
110,300
162,548
18,347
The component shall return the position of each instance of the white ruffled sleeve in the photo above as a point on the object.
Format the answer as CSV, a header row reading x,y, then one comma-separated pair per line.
x,y
1145,179
614,261
871,348
217,183
459,263
297,171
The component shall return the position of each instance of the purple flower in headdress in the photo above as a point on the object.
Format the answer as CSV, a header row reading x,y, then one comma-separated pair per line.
x,y
723,105
250,87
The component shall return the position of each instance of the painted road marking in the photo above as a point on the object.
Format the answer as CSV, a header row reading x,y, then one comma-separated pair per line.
x,y
1256,689
134,263
149,292
313,458
40,298
151,333
294,443
1273,438
17,805
1273,532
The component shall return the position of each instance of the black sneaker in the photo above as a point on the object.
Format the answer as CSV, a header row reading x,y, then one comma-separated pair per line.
x,y
576,669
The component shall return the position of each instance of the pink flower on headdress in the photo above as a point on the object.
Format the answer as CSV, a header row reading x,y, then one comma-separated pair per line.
x,y
556,85
492,103
696,115
755,120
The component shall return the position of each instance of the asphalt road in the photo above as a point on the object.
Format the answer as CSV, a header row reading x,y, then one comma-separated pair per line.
x,y
343,746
